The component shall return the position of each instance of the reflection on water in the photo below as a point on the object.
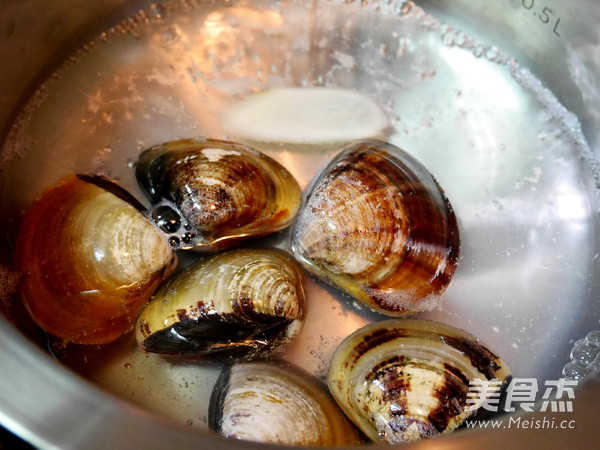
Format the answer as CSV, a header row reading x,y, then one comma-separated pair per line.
x,y
506,161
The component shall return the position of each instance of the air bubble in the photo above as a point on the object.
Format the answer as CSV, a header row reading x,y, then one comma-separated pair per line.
x,y
460,39
156,11
492,54
593,339
584,353
402,8
449,38
171,36
167,219
585,357
478,51
574,371
188,238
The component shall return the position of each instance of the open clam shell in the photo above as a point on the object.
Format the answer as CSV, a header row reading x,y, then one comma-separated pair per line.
x,y
235,305
273,403
90,261
210,195
377,225
404,379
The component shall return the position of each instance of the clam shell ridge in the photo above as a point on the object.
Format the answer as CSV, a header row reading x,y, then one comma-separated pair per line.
x,y
210,195
404,379
239,304
90,261
377,225
273,403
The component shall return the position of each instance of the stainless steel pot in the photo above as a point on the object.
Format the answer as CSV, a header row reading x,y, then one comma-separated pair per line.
x,y
51,407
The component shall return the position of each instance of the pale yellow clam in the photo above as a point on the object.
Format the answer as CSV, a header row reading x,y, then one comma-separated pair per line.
x,y
90,261
274,403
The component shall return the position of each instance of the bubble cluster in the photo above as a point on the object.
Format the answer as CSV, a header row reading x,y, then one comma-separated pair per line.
x,y
585,358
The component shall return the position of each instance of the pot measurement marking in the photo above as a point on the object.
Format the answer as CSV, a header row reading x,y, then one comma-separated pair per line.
x,y
545,14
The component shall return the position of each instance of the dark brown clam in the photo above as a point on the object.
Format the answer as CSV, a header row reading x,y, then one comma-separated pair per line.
x,y
90,261
209,195
378,226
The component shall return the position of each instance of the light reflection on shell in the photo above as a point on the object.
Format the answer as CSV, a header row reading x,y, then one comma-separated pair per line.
x,y
90,261
273,403
377,225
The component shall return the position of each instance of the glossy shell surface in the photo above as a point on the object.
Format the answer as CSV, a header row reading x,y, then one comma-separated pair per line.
x,y
239,304
211,195
378,226
90,261
273,403
404,379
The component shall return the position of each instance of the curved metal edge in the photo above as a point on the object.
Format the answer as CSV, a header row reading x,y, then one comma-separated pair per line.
x,y
66,412
96,419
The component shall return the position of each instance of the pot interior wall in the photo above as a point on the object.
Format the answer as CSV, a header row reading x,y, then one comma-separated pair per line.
x,y
561,53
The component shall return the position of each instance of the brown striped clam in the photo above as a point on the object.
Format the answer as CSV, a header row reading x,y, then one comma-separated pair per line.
x,y
210,195
377,225
277,404
90,260
405,379
240,304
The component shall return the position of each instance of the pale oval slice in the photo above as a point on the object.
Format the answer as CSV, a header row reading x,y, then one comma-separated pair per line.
x,y
314,115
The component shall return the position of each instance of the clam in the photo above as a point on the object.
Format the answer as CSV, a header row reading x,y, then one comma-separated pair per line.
x,y
273,403
210,195
239,304
90,260
378,226
404,379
